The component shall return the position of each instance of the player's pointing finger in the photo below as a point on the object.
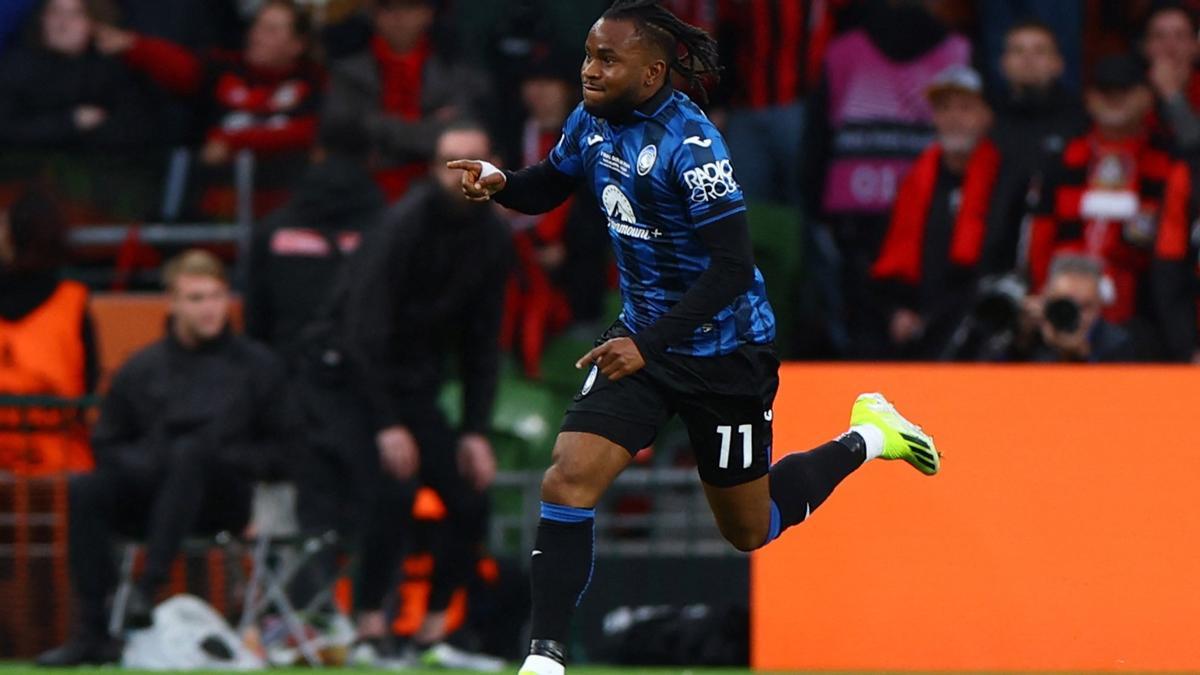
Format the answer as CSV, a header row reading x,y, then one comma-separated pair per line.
x,y
590,357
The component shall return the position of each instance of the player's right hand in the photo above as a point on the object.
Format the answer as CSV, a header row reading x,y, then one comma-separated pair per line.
x,y
480,179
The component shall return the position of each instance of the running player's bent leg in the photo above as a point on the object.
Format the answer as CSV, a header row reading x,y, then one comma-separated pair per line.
x,y
584,465
754,513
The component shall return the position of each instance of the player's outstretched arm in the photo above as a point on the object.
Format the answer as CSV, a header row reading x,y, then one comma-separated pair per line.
x,y
480,179
536,189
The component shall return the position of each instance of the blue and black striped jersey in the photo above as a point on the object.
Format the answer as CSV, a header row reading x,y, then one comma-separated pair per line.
x,y
660,178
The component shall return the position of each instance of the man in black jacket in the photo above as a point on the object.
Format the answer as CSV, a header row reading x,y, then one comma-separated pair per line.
x,y
295,302
190,422
428,286
1035,118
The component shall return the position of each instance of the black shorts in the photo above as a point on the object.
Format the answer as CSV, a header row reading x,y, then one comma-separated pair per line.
x,y
724,401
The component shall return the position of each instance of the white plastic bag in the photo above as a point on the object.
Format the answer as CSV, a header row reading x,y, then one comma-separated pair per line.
x,y
188,634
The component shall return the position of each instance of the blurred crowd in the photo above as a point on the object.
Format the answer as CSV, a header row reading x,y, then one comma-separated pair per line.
x,y
936,155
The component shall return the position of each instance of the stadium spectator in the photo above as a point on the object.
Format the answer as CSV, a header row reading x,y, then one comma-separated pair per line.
x,y
264,98
867,122
1117,195
1064,19
562,255
772,50
299,262
190,422
403,88
58,92
47,344
1171,47
197,25
930,256
413,305
1065,323
1035,117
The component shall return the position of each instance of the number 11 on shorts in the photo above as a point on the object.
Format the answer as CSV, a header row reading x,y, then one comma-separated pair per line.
x,y
747,433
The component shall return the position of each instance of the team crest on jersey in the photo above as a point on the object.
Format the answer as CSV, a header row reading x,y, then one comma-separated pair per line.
x,y
646,159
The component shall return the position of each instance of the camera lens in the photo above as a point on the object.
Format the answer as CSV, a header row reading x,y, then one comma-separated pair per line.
x,y
1063,314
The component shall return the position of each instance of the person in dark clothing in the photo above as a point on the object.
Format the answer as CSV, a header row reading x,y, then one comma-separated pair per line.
x,y
294,266
1035,118
190,423
299,265
930,255
47,343
427,286
59,93
1064,324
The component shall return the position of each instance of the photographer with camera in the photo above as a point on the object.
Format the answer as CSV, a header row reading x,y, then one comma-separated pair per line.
x,y
1065,323
1118,195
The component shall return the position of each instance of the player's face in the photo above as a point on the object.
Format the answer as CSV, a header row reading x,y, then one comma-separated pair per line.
x,y
617,69
199,306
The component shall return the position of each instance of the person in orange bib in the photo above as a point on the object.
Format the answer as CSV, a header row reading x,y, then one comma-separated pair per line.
x,y
47,347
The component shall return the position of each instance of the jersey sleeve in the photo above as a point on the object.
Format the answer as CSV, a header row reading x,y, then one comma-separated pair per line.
x,y
703,174
566,156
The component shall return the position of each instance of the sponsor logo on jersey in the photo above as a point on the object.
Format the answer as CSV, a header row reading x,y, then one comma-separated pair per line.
x,y
646,159
696,140
620,215
594,139
713,180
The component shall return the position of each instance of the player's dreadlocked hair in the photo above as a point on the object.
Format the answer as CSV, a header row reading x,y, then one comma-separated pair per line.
x,y
698,59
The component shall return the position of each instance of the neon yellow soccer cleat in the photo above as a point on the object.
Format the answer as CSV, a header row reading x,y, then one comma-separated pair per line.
x,y
901,439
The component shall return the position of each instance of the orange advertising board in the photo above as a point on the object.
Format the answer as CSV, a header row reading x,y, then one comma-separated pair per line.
x,y
1062,534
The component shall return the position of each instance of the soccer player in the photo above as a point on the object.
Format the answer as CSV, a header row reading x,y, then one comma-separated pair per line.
x,y
695,335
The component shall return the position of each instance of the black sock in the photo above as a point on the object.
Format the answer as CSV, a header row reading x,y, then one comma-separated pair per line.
x,y
561,568
802,481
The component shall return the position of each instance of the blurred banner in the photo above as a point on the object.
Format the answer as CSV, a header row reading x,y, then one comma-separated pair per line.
x,y
1061,535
